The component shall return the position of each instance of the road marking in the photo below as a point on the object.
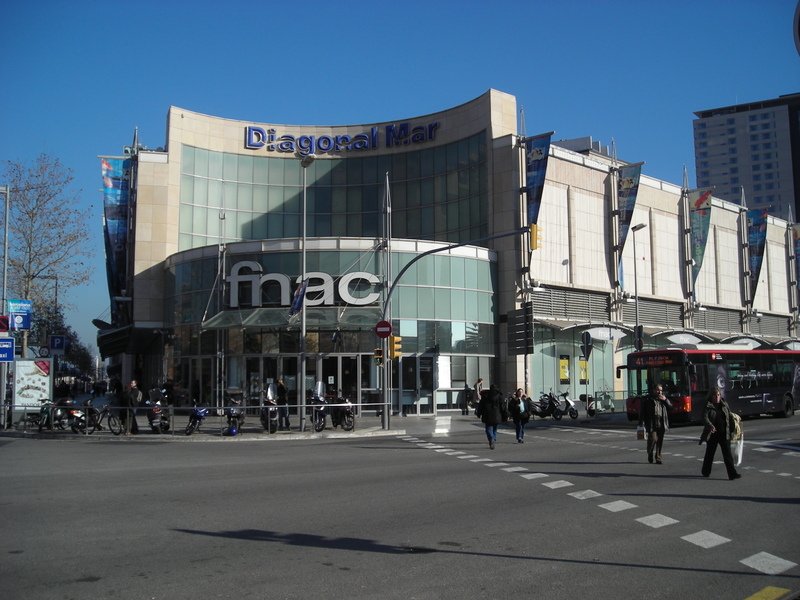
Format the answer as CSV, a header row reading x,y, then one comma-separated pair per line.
x,y
617,506
444,450
515,469
762,449
496,464
705,539
769,593
655,521
442,425
585,494
784,474
557,484
791,453
767,563
455,453
468,456
480,460
534,475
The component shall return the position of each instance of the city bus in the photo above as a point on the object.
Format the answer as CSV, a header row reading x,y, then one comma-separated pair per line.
x,y
753,382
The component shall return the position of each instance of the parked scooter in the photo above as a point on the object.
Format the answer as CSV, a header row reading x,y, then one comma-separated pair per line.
x,y
196,418
545,406
319,405
157,412
269,410
342,413
603,403
234,411
566,405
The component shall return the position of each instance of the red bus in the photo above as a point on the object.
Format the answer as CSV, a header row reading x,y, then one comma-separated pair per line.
x,y
753,382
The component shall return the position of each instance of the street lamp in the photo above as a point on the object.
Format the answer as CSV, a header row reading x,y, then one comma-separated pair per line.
x,y
634,229
305,161
4,366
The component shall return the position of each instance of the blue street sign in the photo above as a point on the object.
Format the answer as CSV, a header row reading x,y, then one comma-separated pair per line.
x,y
7,350
58,344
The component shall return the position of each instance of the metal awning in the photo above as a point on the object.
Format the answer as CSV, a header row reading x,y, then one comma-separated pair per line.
x,y
328,317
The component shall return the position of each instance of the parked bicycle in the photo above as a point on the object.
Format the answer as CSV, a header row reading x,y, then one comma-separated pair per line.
x,y
107,414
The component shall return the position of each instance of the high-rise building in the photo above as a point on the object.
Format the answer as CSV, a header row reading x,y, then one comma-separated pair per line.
x,y
752,148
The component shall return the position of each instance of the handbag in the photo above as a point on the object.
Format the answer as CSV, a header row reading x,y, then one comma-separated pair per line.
x,y
640,432
738,450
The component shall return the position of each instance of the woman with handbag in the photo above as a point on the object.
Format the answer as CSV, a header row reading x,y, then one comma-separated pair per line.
x,y
719,425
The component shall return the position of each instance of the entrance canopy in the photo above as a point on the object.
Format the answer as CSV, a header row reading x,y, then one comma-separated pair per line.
x,y
328,317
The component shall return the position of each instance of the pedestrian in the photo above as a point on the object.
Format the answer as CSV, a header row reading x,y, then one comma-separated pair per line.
x,y
719,424
477,390
520,411
134,398
283,406
492,411
655,418
466,399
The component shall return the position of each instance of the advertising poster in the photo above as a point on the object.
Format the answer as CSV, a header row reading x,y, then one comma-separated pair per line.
x,y
563,369
700,220
537,149
32,382
583,370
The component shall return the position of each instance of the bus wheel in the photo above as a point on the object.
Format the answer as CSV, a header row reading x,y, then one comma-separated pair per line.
x,y
788,407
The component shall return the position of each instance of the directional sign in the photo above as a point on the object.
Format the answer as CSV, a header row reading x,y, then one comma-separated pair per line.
x,y
58,344
7,350
383,329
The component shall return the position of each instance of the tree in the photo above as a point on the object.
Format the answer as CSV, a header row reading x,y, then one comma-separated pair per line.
x,y
48,245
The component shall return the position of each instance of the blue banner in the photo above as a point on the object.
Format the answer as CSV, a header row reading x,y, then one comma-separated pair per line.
x,y
699,221
627,190
116,197
756,241
537,149
19,314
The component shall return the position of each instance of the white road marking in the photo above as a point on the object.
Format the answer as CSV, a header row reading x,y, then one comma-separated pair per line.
x,y
617,506
762,449
534,475
767,563
468,456
496,464
657,520
515,469
557,484
585,494
480,460
705,539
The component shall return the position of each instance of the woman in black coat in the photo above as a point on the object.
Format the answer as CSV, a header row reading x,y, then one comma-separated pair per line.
x,y
519,410
492,412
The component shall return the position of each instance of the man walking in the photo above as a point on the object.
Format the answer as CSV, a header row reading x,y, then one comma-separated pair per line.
x,y
655,418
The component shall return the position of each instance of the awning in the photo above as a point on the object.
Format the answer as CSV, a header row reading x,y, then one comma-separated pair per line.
x,y
328,317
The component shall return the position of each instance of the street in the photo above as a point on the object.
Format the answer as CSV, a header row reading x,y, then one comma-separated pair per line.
x,y
575,511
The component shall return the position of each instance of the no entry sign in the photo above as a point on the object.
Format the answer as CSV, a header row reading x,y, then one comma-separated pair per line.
x,y
383,329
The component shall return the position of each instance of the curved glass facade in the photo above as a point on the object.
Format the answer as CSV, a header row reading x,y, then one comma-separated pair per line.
x,y
437,194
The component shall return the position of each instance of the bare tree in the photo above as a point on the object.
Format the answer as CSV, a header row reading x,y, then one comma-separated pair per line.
x,y
48,245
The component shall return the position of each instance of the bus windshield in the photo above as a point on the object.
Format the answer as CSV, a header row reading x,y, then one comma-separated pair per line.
x,y
672,378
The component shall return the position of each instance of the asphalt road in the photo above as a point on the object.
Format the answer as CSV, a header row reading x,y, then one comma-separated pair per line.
x,y
428,512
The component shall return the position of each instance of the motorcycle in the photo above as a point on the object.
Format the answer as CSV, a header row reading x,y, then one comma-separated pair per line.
x,y
342,413
318,411
157,415
269,415
566,405
234,411
604,403
57,415
196,418
545,406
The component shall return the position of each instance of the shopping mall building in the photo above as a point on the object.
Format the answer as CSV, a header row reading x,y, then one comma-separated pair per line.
x,y
207,248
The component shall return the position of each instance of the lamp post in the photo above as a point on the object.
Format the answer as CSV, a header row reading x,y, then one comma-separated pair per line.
x,y
634,229
4,366
305,162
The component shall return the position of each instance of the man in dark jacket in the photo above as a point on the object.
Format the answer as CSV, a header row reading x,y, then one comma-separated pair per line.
x,y
655,418
492,411
134,399
519,410
719,423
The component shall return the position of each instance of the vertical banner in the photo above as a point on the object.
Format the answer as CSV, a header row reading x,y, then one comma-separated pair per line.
x,y
699,222
537,149
627,190
583,370
19,314
757,241
563,369
116,196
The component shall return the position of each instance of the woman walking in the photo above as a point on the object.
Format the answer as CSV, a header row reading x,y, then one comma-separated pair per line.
x,y
520,413
492,412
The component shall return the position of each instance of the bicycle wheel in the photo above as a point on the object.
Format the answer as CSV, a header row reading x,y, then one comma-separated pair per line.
x,y
114,424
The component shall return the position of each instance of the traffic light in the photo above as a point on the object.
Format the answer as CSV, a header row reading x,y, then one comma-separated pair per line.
x,y
395,347
379,356
534,231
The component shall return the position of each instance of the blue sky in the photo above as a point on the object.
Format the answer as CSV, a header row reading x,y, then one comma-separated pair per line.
x,y
78,77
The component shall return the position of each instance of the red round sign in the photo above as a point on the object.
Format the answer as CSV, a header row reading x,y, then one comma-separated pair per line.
x,y
383,329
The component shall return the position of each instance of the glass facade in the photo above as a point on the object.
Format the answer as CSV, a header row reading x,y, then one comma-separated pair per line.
x,y
437,194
